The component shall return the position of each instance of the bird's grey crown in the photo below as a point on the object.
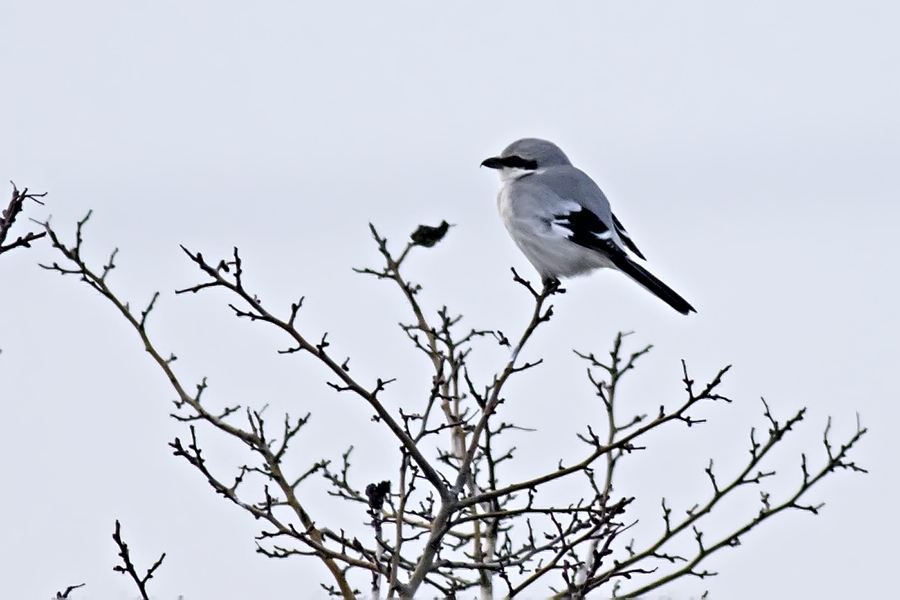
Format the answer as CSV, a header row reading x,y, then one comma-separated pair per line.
x,y
544,153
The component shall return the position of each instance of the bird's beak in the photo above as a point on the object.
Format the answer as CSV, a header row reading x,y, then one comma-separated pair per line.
x,y
493,163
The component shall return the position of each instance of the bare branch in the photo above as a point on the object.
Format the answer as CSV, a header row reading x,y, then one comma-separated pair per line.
x,y
64,595
127,567
9,215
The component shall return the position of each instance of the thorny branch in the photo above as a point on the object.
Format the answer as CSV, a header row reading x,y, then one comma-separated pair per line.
x,y
454,519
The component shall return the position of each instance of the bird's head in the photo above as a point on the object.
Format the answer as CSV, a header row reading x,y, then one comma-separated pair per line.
x,y
526,156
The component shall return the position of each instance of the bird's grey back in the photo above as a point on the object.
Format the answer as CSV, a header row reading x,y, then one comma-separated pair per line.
x,y
567,183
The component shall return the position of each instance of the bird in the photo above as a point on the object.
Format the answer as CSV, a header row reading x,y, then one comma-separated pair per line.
x,y
562,221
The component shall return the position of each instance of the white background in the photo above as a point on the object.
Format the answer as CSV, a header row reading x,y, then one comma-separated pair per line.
x,y
750,149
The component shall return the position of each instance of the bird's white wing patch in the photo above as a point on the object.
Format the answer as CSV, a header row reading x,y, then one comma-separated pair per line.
x,y
561,225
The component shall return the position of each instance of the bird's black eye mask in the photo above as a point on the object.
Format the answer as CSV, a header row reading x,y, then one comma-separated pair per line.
x,y
510,162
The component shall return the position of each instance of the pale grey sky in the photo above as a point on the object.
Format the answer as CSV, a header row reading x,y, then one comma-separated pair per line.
x,y
750,148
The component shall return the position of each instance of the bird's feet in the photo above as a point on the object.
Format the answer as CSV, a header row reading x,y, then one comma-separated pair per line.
x,y
552,286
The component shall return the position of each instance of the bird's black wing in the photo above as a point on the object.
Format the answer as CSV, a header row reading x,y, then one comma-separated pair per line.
x,y
587,229
626,239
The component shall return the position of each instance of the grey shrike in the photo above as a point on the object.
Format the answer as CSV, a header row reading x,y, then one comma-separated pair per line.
x,y
561,220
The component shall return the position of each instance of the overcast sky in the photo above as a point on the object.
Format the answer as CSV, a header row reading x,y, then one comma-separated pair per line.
x,y
750,148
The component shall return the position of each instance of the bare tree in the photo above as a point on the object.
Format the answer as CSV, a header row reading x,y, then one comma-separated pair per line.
x,y
452,520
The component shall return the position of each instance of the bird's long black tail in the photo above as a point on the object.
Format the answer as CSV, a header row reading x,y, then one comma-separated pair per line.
x,y
652,284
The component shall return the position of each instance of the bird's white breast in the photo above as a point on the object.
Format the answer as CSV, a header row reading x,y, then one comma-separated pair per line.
x,y
504,204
